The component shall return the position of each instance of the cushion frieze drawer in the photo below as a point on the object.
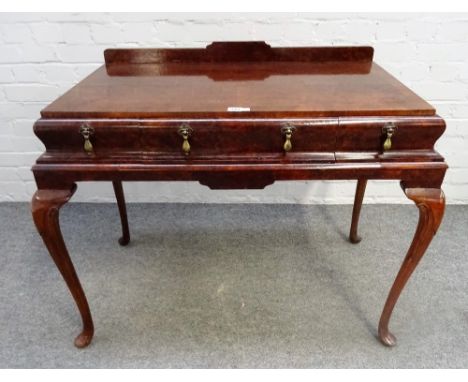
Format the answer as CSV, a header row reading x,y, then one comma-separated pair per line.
x,y
241,137
68,136
291,139
388,139
387,134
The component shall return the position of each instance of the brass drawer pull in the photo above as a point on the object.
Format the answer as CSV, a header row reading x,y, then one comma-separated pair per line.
x,y
287,132
86,131
185,131
389,129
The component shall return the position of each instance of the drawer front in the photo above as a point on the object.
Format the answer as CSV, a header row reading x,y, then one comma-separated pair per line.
x,y
68,137
240,138
190,138
386,135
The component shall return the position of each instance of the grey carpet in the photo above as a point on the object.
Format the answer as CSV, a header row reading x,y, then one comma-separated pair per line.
x,y
233,286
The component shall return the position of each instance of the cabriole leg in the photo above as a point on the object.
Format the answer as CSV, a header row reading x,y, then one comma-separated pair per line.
x,y
360,190
119,195
431,205
45,210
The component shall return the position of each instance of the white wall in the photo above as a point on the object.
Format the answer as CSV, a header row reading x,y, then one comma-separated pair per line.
x,y
42,55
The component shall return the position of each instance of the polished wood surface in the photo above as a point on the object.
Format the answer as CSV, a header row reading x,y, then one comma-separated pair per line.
x,y
45,208
358,198
315,114
431,205
197,83
239,51
119,195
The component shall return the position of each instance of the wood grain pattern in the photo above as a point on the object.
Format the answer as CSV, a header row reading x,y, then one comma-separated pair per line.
x,y
279,82
238,51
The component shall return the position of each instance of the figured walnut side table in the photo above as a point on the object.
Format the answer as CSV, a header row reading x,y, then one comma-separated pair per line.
x,y
238,115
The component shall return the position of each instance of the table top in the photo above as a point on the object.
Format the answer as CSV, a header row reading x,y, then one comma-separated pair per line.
x,y
237,80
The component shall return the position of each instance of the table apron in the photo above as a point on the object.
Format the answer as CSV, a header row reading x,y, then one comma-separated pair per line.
x,y
421,174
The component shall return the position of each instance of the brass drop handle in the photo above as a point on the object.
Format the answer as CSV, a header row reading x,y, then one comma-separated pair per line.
x,y
287,132
185,131
86,131
389,129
